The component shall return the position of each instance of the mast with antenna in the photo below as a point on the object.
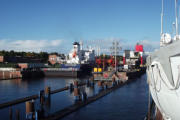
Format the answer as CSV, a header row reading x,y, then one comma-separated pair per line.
x,y
162,15
176,13
162,34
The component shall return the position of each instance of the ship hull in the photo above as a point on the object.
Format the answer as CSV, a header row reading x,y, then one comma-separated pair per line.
x,y
163,75
68,71
61,73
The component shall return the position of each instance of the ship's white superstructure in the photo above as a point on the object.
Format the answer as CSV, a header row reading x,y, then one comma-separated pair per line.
x,y
80,56
163,72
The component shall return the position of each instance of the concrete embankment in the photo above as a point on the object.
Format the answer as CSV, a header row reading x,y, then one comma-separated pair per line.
x,y
10,73
15,73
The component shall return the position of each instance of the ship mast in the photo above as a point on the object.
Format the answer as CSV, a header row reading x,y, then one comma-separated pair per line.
x,y
162,14
176,13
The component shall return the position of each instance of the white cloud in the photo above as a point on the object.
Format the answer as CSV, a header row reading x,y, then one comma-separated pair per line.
x,y
150,45
56,42
106,43
30,45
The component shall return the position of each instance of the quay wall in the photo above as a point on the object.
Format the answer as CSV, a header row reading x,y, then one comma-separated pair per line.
x,y
10,73
14,73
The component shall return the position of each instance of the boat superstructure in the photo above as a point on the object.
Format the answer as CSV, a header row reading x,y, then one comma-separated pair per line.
x,y
80,56
163,73
78,62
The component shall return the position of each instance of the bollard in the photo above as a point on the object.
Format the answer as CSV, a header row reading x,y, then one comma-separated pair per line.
x,y
47,92
47,103
17,115
76,94
71,87
87,83
106,86
84,96
113,82
10,113
75,84
29,110
41,97
40,110
39,113
100,85
92,81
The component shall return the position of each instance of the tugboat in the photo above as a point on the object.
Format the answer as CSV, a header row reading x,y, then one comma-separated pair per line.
x,y
79,62
163,75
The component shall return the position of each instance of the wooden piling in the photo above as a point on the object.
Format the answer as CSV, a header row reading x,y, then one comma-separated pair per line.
x,y
24,99
10,114
80,104
29,107
76,92
17,115
47,91
92,79
113,79
76,83
99,83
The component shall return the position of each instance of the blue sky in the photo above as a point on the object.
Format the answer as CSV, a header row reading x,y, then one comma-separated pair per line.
x,y
52,25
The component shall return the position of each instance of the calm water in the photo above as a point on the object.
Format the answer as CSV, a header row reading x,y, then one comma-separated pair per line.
x,y
128,102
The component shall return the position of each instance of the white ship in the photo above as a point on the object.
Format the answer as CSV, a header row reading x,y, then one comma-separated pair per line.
x,y
163,72
78,63
80,56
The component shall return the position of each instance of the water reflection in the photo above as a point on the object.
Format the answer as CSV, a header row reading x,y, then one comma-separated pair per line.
x,y
130,100
17,88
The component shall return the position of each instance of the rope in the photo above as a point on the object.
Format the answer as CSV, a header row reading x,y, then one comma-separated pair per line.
x,y
178,80
156,93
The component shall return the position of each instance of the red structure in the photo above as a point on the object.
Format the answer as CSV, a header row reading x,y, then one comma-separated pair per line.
x,y
98,61
124,60
106,62
139,48
141,60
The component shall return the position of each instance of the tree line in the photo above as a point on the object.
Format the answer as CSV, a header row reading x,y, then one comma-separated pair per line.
x,y
40,55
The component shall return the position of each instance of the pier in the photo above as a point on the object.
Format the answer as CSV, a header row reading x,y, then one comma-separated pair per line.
x,y
68,110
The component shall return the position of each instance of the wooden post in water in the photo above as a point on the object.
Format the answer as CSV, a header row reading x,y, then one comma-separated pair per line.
x,y
76,94
10,113
100,85
71,87
41,97
92,81
113,81
29,109
17,115
47,92
76,84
